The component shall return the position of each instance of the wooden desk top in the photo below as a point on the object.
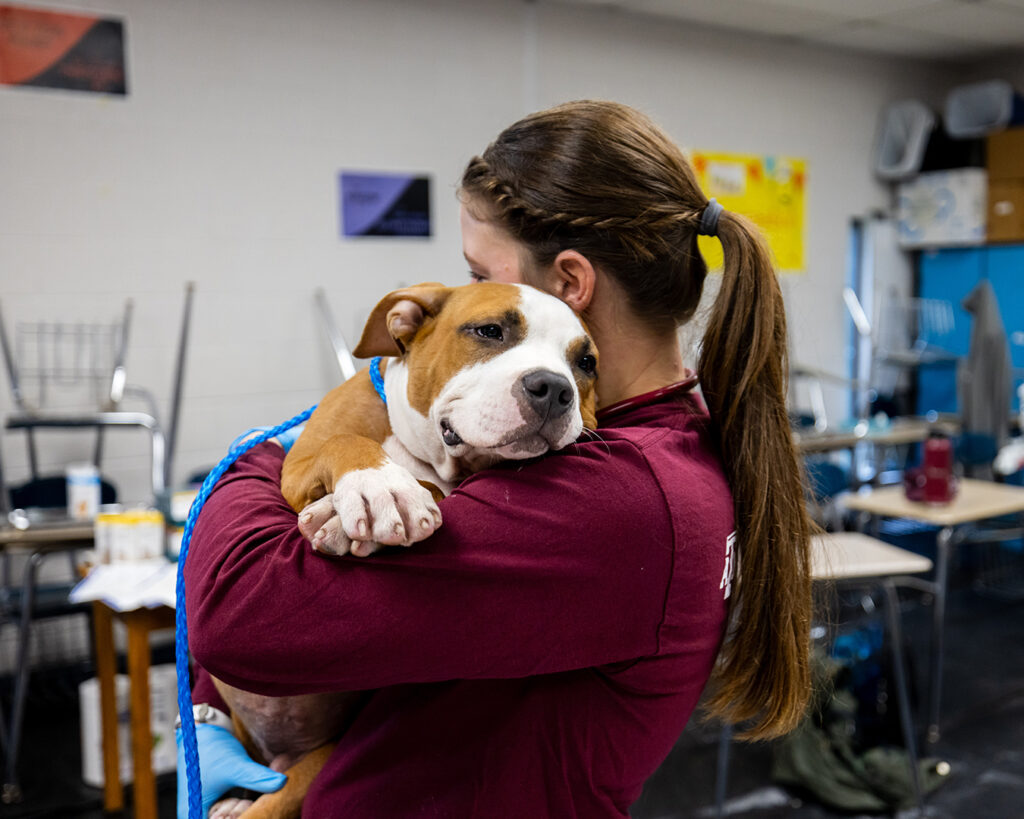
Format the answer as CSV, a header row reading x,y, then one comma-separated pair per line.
x,y
900,431
975,500
847,555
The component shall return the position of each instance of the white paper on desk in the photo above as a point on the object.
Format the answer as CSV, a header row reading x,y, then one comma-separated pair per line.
x,y
162,591
128,586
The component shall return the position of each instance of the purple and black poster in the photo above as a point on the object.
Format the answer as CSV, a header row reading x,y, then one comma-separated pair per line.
x,y
384,204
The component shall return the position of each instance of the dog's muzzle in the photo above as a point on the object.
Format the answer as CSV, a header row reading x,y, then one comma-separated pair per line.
x,y
534,415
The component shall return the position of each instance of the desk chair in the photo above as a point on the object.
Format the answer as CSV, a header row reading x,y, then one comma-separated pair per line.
x,y
850,558
23,604
975,502
84,364
27,601
51,365
997,560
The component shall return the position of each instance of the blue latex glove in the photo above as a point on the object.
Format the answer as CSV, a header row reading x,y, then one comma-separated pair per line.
x,y
223,764
290,436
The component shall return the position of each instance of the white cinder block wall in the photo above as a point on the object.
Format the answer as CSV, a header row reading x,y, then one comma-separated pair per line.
x,y
220,167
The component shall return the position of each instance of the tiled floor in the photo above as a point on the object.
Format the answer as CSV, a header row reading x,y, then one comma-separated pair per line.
x,y
983,736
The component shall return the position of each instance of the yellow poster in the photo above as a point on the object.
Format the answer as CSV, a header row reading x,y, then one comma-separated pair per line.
x,y
768,190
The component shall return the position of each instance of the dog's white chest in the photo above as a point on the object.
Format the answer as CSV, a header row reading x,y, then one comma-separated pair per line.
x,y
400,454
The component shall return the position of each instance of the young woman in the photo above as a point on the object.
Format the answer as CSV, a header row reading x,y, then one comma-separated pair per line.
x,y
540,654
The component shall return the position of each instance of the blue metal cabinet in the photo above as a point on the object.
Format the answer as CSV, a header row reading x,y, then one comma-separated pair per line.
x,y
949,275
946,275
1006,272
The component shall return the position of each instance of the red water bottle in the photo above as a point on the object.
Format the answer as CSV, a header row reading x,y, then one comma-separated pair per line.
x,y
938,470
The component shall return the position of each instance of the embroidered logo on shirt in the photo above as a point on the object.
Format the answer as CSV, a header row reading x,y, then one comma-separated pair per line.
x,y
729,572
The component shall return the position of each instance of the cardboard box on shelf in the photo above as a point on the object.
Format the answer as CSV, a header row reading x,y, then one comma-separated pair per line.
x,y
943,208
1005,154
1006,210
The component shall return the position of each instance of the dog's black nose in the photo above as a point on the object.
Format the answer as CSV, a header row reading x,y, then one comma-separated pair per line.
x,y
548,394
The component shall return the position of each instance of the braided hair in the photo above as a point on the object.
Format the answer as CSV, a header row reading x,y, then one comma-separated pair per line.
x,y
582,176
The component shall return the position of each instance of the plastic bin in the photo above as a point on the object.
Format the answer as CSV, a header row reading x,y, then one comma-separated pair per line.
x,y
981,108
163,704
903,136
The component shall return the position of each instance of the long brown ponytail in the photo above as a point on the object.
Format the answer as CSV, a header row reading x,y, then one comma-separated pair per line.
x,y
602,179
763,674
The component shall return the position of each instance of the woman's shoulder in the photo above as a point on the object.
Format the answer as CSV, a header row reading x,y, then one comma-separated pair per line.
x,y
677,432
633,459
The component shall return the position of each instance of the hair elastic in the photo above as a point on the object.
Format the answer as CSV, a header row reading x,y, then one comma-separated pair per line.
x,y
709,218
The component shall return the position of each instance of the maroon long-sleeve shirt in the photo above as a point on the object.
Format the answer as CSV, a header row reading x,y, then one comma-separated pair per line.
x,y
537,657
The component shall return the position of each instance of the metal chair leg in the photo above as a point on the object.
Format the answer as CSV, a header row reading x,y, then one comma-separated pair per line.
x,y
944,548
11,788
5,745
722,772
892,603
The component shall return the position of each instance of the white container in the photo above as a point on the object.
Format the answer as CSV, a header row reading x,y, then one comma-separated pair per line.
x,y
83,490
135,534
105,536
181,505
163,709
175,537
149,534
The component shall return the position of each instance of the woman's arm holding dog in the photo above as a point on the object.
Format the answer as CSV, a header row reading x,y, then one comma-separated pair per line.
x,y
530,574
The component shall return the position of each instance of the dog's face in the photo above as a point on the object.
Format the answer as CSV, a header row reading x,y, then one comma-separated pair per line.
x,y
490,371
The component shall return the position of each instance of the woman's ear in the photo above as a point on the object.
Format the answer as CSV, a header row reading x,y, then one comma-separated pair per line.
x,y
572,277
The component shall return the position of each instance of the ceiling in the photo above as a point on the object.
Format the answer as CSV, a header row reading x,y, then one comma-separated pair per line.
x,y
948,30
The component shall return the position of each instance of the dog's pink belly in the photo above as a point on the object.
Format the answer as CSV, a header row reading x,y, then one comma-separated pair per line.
x,y
283,729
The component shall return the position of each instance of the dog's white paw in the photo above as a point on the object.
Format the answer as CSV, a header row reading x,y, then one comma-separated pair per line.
x,y
229,808
382,506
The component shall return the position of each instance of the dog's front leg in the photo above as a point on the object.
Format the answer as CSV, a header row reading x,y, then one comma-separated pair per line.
x,y
287,802
376,501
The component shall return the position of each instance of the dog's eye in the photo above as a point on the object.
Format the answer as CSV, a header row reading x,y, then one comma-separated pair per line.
x,y
588,364
490,331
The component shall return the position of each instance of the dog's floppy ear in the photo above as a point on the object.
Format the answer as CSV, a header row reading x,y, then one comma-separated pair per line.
x,y
395,320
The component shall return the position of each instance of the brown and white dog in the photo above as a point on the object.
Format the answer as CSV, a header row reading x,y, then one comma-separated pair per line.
x,y
474,375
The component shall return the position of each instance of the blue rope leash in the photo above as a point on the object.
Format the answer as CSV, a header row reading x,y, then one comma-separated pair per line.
x,y
188,725
377,379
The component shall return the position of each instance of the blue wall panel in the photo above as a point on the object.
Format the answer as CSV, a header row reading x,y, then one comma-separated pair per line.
x,y
1006,272
947,275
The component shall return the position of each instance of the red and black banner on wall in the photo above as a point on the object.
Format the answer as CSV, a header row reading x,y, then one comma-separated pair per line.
x,y
50,49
